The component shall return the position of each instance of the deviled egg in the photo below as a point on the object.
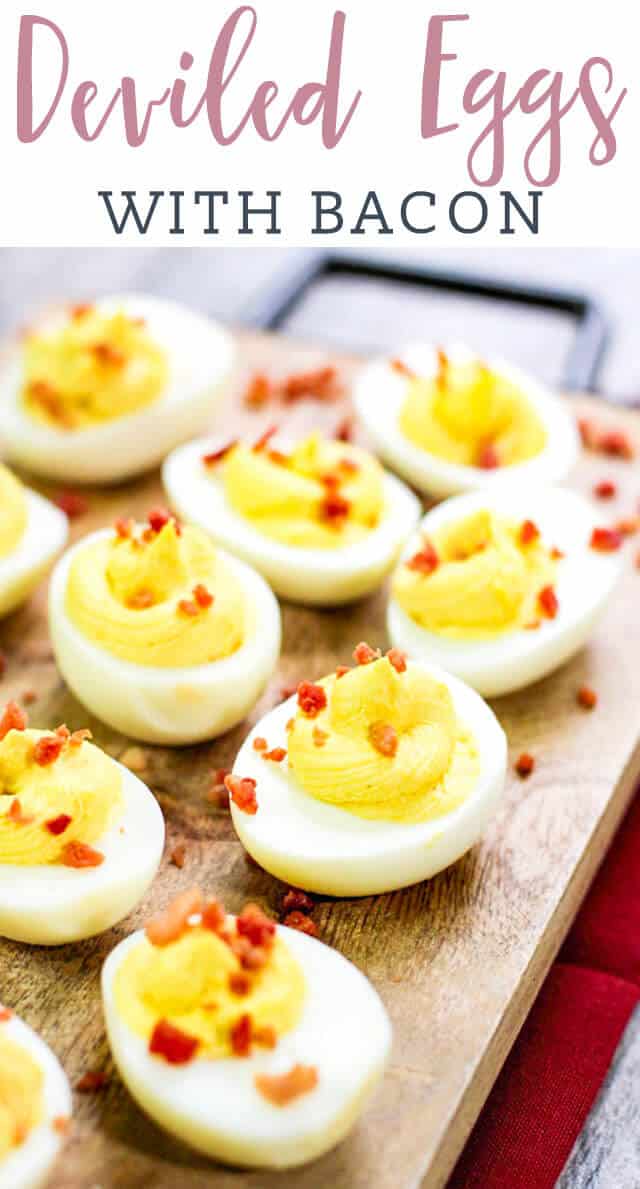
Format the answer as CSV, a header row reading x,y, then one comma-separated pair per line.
x,y
160,634
81,837
35,1106
320,520
32,532
501,587
372,779
97,393
449,422
252,1042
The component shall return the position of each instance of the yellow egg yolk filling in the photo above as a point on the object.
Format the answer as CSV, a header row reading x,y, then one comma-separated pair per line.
x,y
13,512
95,368
388,746
190,984
487,577
471,416
161,598
21,1095
323,495
82,785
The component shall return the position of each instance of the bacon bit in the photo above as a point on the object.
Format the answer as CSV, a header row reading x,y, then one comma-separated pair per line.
x,y
334,507
266,1036
364,654
63,732
218,794
250,957
213,916
256,925
240,1036
629,526
81,310
218,455
259,391
243,793
124,528
605,489
311,698
384,738
348,466
425,561
344,431
141,600
58,825
533,625
557,554
319,737
397,659
80,855
342,671
605,540
488,457
301,923
13,719
171,1043
588,433
260,744
47,749
16,815
72,504
61,1124
290,724
178,855
92,1081
319,383
525,765
276,755
108,355
264,439
169,925
239,982
548,602
296,900
403,369
330,481
528,532
158,519
617,444
29,697
587,697
188,607
5,1015
278,457
282,1088
202,596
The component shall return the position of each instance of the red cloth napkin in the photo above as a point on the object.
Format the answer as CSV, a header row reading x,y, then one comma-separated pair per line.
x,y
543,1095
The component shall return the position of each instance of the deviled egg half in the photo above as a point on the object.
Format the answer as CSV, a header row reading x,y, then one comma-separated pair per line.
x,y
81,837
503,586
320,520
253,1043
372,779
97,393
449,422
160,634
35,1106
32,532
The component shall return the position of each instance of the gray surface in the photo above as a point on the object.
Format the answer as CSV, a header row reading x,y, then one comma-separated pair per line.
x,y
226,283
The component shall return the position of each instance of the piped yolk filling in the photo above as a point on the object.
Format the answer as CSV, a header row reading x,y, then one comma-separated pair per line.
x,y
322,495
21,1095
159,596
486,577
93,369
387,746
56,796
471,416
13,512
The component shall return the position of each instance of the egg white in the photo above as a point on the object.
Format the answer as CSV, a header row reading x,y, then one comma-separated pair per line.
x,y
201,356
379,394
325,849
317,577
53,905
29,1165
509,661
170,706
44,536
214,1105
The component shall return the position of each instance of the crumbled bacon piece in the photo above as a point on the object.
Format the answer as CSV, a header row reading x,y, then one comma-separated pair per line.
x,y
344,431
605,489
342,670
397,659
588,432
213,916
141,600
16,815
425,561
5,1014
188,607
278,457
402,368
124,528
169,925
80,855
364,654
384,738
79,737
58,825
301,923
296,900
628,526
13,719
202,596
525,765
276,755
92,1081
264,438
319,383
171,1043
239,982
29,696
243,793
158,519
178,855
334,507
348,466
218,455
488,457
47,749
81,310
260,744
548,602
71,503
587,697
266,1036
605,540
319,736
250,957
311,698
254,924
240,1036
330,481
529,532
108,355
283,1088
259,391
617,444
556,554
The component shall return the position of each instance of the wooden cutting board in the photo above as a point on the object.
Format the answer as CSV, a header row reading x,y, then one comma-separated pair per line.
x,y
457,960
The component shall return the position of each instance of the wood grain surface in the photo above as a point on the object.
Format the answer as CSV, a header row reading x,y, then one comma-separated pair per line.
x,y
457,960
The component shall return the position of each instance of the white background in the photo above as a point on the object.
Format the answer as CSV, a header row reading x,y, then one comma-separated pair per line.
x,y
49,188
